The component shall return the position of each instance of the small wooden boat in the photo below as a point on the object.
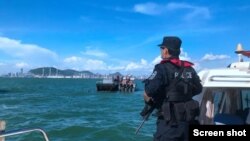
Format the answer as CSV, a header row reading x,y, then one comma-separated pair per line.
x,y
127,84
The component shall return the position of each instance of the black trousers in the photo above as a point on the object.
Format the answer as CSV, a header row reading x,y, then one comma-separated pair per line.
x,y
171,132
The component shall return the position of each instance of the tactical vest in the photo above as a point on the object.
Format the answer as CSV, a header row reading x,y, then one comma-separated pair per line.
x,y
178,104
182,89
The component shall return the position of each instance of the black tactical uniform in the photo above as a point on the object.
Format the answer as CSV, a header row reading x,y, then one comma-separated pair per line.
x,y
174,101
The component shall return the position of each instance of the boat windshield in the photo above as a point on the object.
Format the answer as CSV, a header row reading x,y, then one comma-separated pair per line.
x,y
224,101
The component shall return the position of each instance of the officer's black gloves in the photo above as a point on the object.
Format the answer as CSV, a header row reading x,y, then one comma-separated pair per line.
x,y
147,108
150,102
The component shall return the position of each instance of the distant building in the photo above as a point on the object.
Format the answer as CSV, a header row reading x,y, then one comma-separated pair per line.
x,y
21,72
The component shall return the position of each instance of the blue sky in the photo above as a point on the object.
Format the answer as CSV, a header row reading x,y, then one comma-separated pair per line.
x,y
106,36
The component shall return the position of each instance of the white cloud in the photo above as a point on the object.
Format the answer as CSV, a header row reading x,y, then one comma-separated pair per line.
x,y
17,49
22,55
198,12
157,9
176,6
81,63
148,8
142,65
132,66
13,67
29,56
84,63
21,65
94,52
92,64
2,64
195,11
116,68
210,57
156,60
28,52
72,59
184,55
144,62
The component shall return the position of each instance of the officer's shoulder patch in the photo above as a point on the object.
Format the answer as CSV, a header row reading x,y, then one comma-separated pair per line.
x,y
152,76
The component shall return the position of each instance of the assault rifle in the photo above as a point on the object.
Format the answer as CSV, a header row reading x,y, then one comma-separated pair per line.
x,y
146,112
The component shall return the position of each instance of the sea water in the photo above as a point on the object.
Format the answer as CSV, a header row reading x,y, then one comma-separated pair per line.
x,y
72,110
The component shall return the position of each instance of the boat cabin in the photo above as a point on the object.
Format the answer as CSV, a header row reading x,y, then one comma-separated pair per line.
x,y
125,84
225,98
107,84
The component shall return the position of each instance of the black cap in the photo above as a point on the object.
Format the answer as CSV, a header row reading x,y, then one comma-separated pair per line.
x,y
171,42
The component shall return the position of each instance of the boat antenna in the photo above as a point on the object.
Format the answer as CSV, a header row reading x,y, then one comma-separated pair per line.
x,y
239,50
240,58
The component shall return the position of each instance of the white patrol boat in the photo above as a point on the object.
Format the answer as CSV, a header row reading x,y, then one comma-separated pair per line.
x,y
225,98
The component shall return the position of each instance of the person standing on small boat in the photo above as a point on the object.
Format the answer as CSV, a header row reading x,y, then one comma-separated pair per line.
x,y
170,89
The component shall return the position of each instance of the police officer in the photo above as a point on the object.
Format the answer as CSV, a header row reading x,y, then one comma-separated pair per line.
x,y
172,100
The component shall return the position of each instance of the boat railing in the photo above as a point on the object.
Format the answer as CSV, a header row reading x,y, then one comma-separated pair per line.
x,y
23,131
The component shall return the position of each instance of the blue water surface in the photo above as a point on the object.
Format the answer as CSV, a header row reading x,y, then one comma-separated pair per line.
x,y
72,110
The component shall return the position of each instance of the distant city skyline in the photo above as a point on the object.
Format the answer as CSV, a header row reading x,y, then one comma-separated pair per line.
x,y
119,36
51,72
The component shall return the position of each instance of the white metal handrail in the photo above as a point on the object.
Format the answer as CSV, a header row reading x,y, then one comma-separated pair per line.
x,y
22,131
